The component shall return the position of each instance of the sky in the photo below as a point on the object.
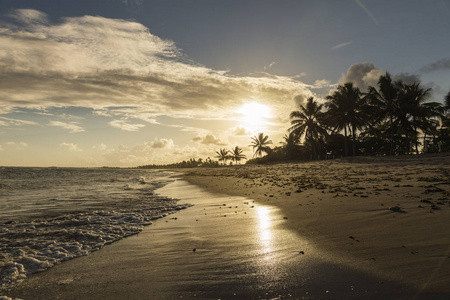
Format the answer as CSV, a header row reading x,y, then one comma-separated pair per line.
x,y
90,83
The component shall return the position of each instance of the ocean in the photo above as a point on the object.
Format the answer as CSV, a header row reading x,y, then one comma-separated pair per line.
x,y
50,215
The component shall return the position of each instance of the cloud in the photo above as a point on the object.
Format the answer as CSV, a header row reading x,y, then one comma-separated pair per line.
x,y
70,146
442,64
209,139
100,146
15,122
362,75
162,143
17,145
322,83
20,144
70,126
121,124
239,131
98,62
1,148
407,78
341,45
29,16
269,66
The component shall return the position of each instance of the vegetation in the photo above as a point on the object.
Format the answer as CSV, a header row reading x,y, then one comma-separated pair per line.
x,y
260,144
392,118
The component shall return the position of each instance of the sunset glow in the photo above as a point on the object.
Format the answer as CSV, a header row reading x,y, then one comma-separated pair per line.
x,y
254,115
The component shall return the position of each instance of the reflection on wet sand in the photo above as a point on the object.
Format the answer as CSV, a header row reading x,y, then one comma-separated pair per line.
x,y
265,228
246,255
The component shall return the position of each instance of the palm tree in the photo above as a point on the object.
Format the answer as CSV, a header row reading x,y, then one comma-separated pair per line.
x,y
308,121
384,98
291,144
236,154
260,144
223,155
447,101
413,113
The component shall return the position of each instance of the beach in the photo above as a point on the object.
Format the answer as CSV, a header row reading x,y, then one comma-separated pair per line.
x,y
386,216
347,228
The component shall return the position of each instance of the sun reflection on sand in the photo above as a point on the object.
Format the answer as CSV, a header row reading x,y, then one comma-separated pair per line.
x,y
265,228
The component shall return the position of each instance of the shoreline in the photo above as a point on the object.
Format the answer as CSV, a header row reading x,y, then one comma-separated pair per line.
x,y
388,217
223,247
321,242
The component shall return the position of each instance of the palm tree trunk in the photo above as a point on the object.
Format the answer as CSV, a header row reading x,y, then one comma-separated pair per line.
x,y
345,141
416,140
391,151
424,142
353,141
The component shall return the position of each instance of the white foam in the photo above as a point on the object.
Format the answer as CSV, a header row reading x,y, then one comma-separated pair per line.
x,y
30,247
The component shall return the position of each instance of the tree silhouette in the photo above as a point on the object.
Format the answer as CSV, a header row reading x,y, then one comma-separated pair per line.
x,y
291,144
447,101
308,122
260,144
236,154
384,102
414,113
223,155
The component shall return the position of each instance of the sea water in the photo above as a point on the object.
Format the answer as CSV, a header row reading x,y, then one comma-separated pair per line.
x,y
50,215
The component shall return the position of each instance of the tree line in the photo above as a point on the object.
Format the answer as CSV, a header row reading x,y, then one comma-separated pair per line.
x,y
391,118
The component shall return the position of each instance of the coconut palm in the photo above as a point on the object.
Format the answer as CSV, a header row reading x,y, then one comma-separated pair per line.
x,y
346,110
236,154
223,155
260,144
291,144
447,101
308,122
414,113
384,100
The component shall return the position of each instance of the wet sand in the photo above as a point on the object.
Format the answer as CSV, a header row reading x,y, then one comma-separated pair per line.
x,y
255,237
388,217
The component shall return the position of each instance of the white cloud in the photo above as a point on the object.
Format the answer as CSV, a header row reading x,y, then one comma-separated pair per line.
x,y
96,62
70,146
18,144
100,146
15,122
269,66
341,45
29,16
162,143
322,83
121,124
70,126
209,139
239,131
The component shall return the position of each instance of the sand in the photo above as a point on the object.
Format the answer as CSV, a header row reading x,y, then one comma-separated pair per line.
x,y
363,228
386,216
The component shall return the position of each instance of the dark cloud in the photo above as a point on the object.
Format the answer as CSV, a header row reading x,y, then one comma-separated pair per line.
x,y
407,78
442,64
362,75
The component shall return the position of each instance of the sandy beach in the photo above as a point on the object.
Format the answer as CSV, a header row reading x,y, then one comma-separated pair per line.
x,y
386,216
338,229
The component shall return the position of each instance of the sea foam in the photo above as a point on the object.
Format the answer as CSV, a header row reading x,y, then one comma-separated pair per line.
x,y
116,204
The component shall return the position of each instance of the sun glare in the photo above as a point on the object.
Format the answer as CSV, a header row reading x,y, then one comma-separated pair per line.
x,y
254,114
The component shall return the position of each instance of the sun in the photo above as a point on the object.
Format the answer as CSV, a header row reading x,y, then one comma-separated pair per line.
x,y
254,114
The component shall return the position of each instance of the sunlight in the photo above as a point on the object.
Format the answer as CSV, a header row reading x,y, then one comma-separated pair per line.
x,y
254,114
265,224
